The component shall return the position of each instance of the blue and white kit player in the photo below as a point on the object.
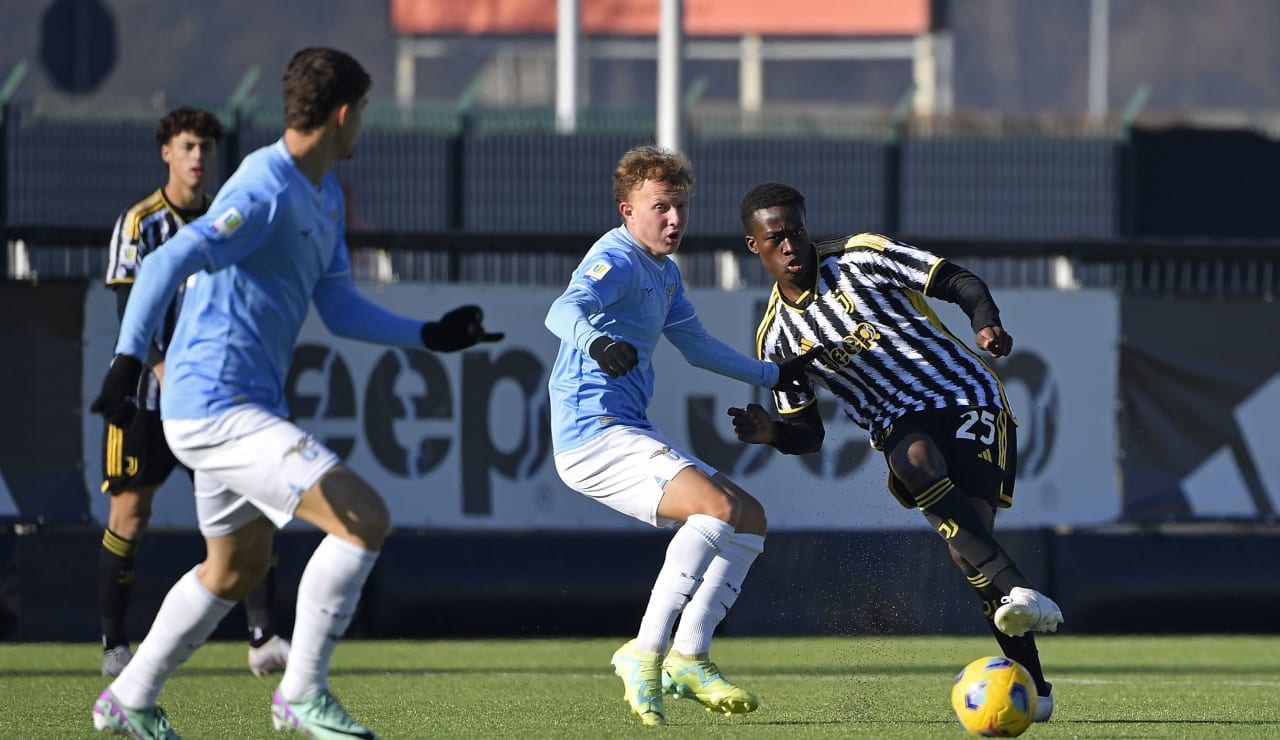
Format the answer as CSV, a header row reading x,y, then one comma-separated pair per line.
x,y
623,297
271,245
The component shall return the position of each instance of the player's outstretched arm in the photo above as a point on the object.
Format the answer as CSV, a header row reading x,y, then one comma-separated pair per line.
x,y
800,434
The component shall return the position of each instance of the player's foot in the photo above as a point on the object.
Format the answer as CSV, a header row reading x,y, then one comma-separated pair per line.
x,y
115,659
1027,610
111,716
269,657
696,677
1044,705
641,675
320,717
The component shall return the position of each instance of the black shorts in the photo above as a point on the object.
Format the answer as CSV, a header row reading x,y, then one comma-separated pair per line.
x,y
980,446
137,456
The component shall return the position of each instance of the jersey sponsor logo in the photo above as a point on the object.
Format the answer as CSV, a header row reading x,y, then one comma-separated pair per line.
x,y
227,223
863,337
597,271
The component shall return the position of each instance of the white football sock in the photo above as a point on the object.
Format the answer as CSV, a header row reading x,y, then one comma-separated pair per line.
x,y
327,596
691,550
721,584
186,618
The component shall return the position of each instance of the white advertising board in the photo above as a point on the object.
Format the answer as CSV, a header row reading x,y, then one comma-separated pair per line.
x,y
460,441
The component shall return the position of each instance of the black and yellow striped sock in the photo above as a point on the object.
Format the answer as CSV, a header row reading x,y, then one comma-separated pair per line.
x,y
1022,649
955,519
115,581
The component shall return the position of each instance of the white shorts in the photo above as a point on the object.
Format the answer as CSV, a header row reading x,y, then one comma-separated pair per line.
x,y
248,463
626,469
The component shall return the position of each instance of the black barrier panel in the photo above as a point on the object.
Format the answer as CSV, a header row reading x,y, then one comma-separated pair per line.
x,y
431,584
1009,188
1204,183
41,450
541,183
843,182
1169,581
1199,409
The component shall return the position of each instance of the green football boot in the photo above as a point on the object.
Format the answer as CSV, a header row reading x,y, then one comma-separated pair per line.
x,y
696,677
641,675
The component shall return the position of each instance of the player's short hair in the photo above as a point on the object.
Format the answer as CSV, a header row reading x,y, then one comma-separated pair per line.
x,y
202,123
317,81
767,195
649,162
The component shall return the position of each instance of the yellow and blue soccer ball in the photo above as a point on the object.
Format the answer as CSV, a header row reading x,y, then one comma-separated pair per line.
x,y
994,697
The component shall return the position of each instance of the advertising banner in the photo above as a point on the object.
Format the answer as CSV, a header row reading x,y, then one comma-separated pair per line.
x,y
1200,410
461,441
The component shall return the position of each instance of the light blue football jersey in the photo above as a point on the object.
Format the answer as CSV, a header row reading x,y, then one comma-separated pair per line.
x,y
269,244
621,290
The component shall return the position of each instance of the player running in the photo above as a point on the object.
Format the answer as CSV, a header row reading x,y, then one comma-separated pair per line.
x,y
272,244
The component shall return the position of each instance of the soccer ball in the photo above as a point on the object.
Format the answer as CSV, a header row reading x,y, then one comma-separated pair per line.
x,y
994,697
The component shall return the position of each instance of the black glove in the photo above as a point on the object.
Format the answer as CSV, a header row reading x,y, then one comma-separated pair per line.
x,y
118,399
460,328
791,372
615,357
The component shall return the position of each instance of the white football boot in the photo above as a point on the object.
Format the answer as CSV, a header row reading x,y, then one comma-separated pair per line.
x,y
1027,610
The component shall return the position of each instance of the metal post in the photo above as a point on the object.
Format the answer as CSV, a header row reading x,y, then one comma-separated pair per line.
x,y
670,51
1099,56
568,63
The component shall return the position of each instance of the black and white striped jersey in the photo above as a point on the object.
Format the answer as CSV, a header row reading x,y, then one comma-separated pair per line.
x,y
887,353
139,231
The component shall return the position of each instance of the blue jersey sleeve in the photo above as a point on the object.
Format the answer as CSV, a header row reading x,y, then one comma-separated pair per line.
x,y
348,314
700,349
155,287
234,226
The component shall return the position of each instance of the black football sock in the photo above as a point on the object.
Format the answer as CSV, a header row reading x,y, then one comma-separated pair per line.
x,y
115,581
257,606
1022,649
955,519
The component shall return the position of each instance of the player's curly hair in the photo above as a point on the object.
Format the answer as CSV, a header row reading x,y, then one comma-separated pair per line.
x,y
767,195
202,123
649,162
317,81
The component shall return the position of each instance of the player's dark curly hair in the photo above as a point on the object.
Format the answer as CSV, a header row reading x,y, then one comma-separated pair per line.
x,y
317,81
202,123
649,162
767,195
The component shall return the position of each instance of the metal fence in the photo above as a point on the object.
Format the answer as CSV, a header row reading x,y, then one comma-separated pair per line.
x,y
498,196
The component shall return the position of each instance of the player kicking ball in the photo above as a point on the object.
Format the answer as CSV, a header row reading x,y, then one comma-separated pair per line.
x,y
931,404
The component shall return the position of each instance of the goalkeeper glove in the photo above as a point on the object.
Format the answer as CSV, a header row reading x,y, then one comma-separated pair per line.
x,y
118,399
460,328
615,357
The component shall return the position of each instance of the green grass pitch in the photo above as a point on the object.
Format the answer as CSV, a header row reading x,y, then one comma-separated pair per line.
x,y
1113,687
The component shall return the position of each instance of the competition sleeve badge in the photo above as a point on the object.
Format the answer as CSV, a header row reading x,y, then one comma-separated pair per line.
x,y
227,223
597,271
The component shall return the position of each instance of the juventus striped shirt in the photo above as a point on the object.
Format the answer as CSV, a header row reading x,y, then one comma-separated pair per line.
x,y
139,231
887,353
